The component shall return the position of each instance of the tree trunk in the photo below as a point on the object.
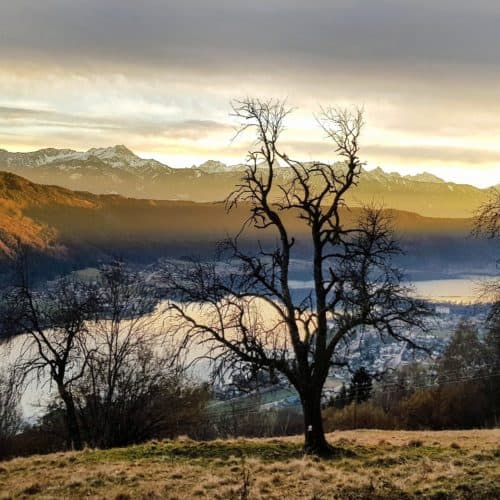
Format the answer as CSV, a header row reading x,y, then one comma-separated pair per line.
x,y
315,441
73,429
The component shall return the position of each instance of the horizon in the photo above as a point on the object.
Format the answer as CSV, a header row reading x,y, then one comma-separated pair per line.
x,y
197,162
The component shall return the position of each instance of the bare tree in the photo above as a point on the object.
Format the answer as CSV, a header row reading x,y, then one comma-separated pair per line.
x,y
244,311
152,398
10,410
487,224
125,363
487,217
51,323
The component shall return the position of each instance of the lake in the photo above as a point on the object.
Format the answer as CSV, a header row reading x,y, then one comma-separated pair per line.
x,y
454,290
459,290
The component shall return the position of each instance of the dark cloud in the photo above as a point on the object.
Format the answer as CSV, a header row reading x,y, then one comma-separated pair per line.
x,y
234,34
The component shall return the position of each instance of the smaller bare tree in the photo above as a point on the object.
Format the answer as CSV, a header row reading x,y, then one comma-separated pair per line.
x,y
52,323
10,410
151,398
487,224
487,217
128,364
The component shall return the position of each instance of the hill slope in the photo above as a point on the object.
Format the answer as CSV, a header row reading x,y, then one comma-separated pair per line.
x,y
371,465
117,170
80,229
17,197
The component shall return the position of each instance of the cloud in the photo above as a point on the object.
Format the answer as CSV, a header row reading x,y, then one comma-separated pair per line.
x,y
427,154
12,118
33,128
192,129
158,74
235,34
378,153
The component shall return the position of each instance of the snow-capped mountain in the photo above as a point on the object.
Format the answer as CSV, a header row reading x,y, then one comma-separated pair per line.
x,y
116,156
218,167
118,170
424,177
377,174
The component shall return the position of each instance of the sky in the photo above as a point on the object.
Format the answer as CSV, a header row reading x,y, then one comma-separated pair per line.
x,y
159,77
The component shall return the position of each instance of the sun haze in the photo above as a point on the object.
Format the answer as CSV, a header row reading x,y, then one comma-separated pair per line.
x,y
158,76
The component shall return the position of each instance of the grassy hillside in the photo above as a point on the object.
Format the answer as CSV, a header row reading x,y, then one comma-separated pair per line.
x,y
370,465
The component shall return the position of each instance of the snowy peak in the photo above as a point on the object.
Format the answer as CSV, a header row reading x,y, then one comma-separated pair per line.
x,y
118,156
212,166
217,167
118,151
424,177
121,157
378,174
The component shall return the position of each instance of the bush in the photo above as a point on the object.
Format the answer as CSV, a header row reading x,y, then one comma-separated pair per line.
x,y
365,415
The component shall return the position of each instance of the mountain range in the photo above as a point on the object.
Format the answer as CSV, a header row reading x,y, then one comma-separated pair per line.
x,y
69,229
117,170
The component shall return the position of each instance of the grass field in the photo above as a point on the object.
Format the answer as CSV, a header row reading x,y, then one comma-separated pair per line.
x,y
371,464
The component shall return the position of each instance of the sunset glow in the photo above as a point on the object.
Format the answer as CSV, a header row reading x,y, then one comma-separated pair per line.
x,y
159,78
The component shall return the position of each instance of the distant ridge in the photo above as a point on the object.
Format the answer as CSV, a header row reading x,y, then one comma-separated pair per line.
x,y
380,174
73,229
118,170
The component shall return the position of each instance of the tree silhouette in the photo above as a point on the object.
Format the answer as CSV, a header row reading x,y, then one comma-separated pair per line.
x,y
487,217
53,321
242,308
360,388
487,224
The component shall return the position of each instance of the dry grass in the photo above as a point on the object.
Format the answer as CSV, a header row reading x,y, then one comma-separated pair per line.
x,y
376,464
